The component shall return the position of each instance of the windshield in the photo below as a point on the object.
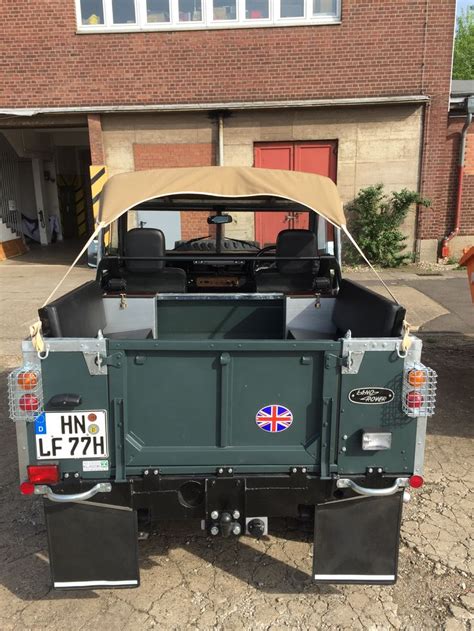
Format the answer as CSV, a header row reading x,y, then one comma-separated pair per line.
x,y
184,228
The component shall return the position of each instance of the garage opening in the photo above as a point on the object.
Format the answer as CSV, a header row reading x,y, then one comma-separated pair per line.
x,y
45,192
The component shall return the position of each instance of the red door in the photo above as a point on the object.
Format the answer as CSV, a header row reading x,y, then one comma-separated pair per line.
x,y
318,157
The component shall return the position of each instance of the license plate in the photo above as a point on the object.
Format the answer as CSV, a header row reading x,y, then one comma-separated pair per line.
x,y
62,435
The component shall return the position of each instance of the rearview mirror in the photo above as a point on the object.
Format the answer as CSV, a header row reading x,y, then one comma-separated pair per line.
x,y
219,219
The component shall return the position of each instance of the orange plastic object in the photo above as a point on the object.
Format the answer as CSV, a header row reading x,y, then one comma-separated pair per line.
x,y
417,377
468,260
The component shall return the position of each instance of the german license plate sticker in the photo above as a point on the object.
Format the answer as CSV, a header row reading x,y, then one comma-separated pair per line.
x,y
71,435
95,465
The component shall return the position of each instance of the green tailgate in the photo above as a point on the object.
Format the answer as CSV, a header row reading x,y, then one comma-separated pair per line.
x,y
193,405
379,369
190,406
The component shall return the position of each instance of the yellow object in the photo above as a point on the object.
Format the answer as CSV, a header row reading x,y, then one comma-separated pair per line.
x,y
93,19
36,337
406,341
98,173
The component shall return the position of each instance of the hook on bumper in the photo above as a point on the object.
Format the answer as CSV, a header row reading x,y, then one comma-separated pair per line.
x,y
101,487
346,483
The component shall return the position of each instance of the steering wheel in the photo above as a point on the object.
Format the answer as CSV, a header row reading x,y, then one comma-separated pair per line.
x,y
265,250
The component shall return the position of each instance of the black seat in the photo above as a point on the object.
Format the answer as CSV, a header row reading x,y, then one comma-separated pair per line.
x,y
291,276
366,313
79,313
150,276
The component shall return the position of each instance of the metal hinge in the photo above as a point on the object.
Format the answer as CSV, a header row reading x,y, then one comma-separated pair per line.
x,y
114,360
333,361
97,363
352,362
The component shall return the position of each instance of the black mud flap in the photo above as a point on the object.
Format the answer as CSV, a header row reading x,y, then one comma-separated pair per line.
x,y
357,540
92,546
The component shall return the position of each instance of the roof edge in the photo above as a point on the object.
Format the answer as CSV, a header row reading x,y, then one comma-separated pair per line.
x,y
243,105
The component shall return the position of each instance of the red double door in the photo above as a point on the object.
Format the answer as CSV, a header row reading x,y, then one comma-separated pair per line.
x,y
318,157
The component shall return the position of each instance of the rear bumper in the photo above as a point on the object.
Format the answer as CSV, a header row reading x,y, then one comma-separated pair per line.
x,y
356,538
177,497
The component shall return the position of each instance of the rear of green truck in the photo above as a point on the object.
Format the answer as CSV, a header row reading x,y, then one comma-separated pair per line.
x,y
230,414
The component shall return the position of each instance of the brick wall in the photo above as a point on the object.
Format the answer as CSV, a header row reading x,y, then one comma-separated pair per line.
x,y
378,49
381,47
94,124
151,156
154,156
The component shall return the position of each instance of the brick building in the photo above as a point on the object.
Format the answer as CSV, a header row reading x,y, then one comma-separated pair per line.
x,y
355,89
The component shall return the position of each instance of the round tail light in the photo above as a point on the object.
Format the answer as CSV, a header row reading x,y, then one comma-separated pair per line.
x,y
27,380
28,403
416,481
414,399
416,378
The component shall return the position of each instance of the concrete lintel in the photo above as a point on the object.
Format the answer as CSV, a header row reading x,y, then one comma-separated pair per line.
x,y
243,105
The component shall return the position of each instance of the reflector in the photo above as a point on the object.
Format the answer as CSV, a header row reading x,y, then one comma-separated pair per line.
x,y
26,488
43,474
416,481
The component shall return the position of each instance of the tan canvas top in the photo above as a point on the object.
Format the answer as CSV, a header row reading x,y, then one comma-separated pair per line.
x,y
125,191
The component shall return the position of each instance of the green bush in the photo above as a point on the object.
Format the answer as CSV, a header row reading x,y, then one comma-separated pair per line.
x,y
374,221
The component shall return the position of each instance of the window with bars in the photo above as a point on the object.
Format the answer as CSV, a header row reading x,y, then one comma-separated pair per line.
x,y
142,15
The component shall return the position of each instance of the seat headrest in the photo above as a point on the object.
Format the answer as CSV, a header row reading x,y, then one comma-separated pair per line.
x,y
296,243
145,242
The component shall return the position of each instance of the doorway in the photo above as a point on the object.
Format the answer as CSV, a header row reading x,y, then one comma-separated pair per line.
x,y
319,157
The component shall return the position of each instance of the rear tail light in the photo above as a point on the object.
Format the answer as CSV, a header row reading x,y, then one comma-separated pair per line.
x,y
25,393
43,474
419,390
28,403
27,380
416,377
414,399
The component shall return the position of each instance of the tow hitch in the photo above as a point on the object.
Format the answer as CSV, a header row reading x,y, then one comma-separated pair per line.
x,y
225,523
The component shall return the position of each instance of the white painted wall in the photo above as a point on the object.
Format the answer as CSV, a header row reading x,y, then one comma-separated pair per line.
x,y
6,234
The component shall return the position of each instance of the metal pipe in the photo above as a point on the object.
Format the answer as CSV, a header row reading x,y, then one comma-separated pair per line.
x,y
220,139
462,153
338,245
219,228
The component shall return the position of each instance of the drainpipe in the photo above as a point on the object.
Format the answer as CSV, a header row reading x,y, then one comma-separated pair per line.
x,y
462,153
219,228
220,137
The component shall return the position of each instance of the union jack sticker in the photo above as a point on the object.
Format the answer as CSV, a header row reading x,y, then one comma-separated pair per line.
x,y
274,418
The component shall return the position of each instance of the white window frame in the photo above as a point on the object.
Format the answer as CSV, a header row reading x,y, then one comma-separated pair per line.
x,y
207,22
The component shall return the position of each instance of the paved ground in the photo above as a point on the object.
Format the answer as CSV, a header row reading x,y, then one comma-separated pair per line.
x,y
190,581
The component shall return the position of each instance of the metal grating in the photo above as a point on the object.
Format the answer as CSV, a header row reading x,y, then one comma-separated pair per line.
x,y
419,390
9,193
25,393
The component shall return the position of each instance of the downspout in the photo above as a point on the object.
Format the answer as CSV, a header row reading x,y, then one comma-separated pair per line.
x,y
220,139
220,162
462,153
